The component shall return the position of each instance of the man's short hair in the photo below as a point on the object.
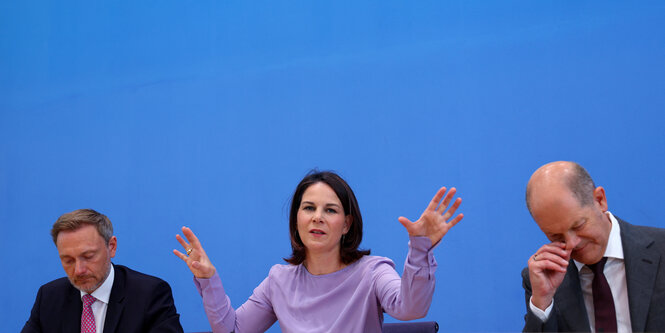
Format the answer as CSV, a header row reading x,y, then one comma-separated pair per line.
x,y
581,185
80,217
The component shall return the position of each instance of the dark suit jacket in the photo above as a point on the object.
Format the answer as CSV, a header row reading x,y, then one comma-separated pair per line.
x,y
138,303
644,254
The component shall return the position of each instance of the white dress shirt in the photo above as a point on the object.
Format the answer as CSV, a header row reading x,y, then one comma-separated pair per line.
x,y
615,273
102,295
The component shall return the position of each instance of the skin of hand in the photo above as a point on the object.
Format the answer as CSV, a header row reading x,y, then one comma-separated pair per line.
x,y
432,223
547,268
197,260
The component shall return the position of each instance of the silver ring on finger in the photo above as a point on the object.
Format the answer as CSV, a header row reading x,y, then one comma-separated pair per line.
x,y
534,257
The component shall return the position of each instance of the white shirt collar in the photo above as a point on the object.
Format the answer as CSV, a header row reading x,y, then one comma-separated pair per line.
x,y
614,246
103,293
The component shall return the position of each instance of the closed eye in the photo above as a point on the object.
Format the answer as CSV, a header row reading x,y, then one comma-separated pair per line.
x,y
89,255
579,226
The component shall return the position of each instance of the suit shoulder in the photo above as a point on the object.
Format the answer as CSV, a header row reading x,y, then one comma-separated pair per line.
x,y
57,286
647,228
133,273
643,231
57,283
137,278
652,231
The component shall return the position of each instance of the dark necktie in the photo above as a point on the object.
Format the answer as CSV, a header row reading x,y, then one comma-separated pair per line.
x,y
603,303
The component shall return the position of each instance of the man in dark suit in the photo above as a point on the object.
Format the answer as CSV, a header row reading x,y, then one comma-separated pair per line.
x,y
98,296
599,273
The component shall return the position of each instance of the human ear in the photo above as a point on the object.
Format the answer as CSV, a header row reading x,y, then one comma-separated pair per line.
x,y
113,245
599,198
347,223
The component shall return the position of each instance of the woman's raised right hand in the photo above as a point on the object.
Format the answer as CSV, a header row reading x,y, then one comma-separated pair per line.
x,y
195,257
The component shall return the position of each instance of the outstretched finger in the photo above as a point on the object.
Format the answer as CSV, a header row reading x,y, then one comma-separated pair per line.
x,y
446,200
182,242
437,197
405,222
455,220
180,255
191,237
452,209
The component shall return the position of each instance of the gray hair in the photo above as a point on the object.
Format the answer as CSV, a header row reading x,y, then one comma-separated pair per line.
x,y
581,185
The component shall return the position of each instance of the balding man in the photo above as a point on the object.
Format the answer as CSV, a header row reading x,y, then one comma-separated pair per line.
x,y
599,273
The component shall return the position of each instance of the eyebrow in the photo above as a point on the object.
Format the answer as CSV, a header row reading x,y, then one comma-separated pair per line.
x,y
580,221
89,252
82,254
575,224
311,203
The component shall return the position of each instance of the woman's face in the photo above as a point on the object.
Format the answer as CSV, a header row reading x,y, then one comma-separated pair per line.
x,y
321,220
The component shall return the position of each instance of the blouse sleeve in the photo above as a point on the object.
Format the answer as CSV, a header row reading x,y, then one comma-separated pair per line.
x,y
409,297
255,315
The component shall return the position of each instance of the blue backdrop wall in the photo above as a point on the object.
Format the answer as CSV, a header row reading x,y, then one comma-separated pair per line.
x,y
207,113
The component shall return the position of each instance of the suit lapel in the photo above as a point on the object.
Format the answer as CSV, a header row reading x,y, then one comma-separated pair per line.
x,y
641,264
570,302
116,301
73,307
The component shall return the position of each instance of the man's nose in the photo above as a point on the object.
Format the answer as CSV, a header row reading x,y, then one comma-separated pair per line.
x,y
571,242
80,267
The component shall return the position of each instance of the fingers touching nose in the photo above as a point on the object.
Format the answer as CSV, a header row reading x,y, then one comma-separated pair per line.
x,y
572,242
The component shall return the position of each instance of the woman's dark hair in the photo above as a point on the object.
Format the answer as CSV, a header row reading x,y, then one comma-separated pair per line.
x,y
351,240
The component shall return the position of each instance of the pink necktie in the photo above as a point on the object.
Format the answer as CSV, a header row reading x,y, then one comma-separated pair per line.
x,y
87,317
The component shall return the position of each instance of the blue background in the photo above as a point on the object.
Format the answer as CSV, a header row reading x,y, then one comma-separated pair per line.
x,y
208,113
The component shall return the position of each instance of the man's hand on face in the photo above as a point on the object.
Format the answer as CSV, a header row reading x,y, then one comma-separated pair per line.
x,y
547,267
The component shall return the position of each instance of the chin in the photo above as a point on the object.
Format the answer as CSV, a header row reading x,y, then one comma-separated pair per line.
x,y
87,288
588,259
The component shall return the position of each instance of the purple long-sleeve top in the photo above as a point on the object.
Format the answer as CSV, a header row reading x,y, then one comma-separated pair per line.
x,y
352,299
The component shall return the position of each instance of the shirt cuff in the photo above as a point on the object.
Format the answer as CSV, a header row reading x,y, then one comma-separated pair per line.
x,y
202,283
542,315
420,252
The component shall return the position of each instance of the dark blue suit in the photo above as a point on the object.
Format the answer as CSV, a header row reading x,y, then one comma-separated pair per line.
x,y
644,259
138,303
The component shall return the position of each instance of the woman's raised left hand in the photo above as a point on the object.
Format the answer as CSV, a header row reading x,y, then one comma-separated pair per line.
x,y
432,223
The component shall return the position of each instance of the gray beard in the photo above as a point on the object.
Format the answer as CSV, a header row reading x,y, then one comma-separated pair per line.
x,y
108,271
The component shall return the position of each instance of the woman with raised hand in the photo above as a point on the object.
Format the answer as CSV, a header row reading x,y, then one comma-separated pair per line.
x,y
329,285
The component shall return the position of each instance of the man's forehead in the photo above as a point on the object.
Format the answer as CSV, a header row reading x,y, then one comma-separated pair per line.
x,y
553,199
77,251
561,225
79,240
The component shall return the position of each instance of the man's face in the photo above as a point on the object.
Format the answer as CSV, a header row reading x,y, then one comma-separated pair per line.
x,y
584,229
85,256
